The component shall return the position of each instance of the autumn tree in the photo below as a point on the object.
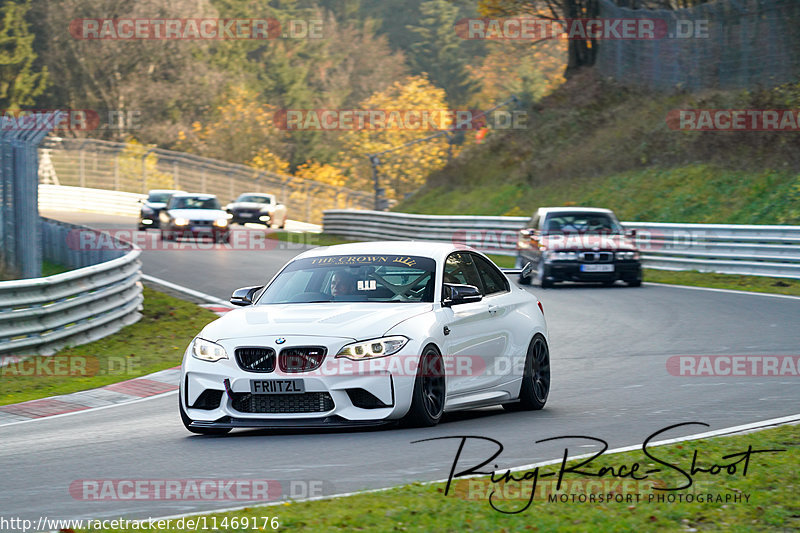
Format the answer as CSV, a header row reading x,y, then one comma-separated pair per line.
x,y
19,83
241,129
404,170
168,83
527,71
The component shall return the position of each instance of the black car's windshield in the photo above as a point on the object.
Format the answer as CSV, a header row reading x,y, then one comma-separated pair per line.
x,y
193,202
581,223
159,197
254,199
353,278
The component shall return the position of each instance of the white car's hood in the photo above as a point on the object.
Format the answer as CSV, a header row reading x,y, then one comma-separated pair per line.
x,y
198,214
356,320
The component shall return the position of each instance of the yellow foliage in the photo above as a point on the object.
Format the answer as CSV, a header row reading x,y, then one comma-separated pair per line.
x,y
266,160
241,129
328,174
405,170
130,167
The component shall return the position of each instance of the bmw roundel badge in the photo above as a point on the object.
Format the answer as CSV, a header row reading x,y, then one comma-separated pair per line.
x,y
280,340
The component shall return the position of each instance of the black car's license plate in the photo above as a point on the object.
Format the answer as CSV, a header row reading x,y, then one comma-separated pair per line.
x,y
277,386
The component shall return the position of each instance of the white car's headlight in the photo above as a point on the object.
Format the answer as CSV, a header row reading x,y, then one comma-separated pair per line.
x,y
561,256
627,256
208,351
221,222
373,348
181,222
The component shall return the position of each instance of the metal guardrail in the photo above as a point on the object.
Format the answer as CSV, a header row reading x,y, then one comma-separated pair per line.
x,y
40,315
91,163
59,198
724,248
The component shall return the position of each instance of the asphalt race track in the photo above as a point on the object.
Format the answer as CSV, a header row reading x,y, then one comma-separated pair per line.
x,y
609,348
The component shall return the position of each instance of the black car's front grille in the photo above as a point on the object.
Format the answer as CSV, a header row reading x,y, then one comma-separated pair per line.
x,y
308,402
209,399
201,222
301,358
597,257
256,359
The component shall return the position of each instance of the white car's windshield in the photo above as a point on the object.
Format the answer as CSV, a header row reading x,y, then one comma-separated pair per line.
x,y
354,278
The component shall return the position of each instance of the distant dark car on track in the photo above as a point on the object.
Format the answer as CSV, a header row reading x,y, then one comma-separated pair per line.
x,y
257,208
194,215
151,207
578,244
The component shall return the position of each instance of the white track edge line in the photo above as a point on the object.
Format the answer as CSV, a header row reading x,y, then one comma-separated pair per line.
x,y
728,291
185,290
763,424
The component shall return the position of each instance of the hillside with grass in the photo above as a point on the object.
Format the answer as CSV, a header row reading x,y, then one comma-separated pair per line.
x,y
595,143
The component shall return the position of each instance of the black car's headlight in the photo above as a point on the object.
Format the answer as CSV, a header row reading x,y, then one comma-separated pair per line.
x,y
373,348
208,351
626,256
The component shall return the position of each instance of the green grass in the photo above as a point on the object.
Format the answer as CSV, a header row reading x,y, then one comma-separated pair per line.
x,y
725,281
772,484
156,342
697,193
310,239
51,269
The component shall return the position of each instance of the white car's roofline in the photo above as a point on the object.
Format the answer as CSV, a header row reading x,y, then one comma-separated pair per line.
x,y
545,210
434,250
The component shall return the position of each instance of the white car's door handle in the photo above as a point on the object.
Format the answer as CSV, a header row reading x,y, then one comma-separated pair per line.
x,y
493,309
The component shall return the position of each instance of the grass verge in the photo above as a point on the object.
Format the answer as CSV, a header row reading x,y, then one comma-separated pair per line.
x,y
768,497
309,239
156,342
724,281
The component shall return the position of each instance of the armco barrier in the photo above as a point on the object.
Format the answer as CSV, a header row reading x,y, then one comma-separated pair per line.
x,y
724,248
56,197
40,315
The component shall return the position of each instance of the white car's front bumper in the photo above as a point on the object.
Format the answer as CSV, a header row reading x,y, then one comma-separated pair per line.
x,y
341,392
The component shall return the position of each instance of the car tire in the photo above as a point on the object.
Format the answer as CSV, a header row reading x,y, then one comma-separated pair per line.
x,y
541,277
427,400
520,264
200,431
634,283
535,386
609,283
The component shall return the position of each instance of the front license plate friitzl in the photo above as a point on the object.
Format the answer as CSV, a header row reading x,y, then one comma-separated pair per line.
x,y
597,268
277,386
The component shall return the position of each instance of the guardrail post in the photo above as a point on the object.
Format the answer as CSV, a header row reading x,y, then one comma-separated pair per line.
x,y
81,169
